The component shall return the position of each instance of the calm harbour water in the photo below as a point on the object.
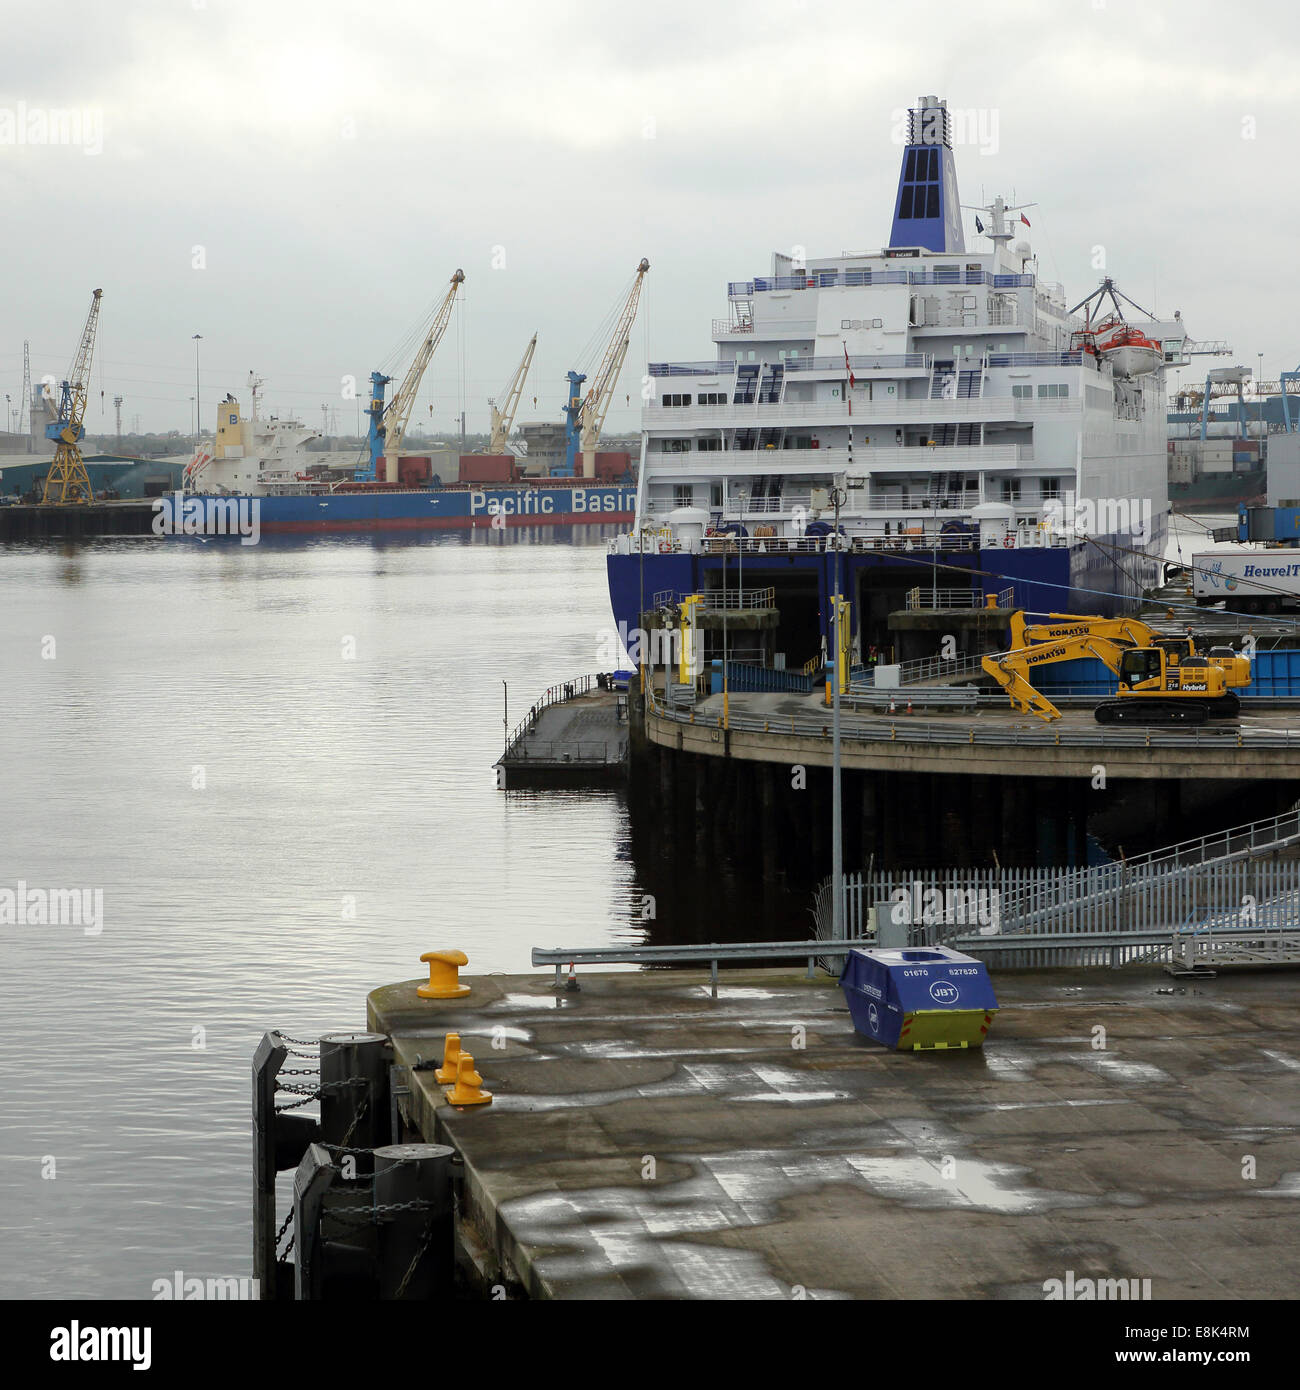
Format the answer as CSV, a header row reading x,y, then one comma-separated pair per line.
x,y
327,779
227,908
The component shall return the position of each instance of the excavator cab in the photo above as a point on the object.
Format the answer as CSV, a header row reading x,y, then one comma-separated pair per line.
x,y
1141,665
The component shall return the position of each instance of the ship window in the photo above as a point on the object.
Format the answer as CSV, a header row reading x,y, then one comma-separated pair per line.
x,y
708,446
1011,489
675,446
1022,393
683,495
1051,487
677,399
1053,390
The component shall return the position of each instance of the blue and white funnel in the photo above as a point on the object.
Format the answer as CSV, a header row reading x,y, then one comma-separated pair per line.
x,y
927,211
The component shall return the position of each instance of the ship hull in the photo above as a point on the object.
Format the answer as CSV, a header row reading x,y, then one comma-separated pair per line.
x,y
434,509
1078,578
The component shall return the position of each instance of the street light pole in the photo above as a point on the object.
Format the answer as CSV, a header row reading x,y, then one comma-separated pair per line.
x,y
1259,389
198,392
837,827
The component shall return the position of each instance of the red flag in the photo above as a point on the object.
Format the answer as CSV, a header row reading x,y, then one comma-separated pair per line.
x,y
1025,220
853,381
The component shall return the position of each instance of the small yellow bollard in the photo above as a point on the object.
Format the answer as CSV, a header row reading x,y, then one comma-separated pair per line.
x,y
446,1073
444,982
468,1089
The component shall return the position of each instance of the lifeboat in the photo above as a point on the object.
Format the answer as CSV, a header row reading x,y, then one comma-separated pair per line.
x,y
1128,350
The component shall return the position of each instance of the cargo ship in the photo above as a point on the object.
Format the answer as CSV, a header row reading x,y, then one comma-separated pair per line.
x,y
939,409
298,490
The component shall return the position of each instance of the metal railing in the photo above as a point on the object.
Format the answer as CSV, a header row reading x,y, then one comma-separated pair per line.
x,y
874,730
564,751
922,597
709,954
554,695
1024,913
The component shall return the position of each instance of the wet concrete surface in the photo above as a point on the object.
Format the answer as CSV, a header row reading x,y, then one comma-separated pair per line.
x,y
647,1140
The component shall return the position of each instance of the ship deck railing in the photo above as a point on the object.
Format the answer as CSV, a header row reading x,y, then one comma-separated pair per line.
x,y
849,279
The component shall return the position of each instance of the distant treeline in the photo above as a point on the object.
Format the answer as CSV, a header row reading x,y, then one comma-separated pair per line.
x,y
174,442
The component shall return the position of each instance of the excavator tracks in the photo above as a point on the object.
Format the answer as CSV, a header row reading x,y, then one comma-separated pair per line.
x,y
1152,712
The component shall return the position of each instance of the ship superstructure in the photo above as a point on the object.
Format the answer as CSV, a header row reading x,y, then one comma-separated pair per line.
x,y
946,395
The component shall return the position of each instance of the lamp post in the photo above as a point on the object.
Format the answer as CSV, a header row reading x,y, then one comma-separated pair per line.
x,y
198,392
1259,389
837,827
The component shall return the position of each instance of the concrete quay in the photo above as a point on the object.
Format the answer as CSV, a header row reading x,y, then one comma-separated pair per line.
x,y
648,1141
788,729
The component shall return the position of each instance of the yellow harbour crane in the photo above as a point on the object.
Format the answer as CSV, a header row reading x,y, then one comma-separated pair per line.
x,y
503,421
67,481
387,431
584,419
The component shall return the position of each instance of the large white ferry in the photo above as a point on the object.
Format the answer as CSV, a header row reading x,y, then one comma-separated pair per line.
x,y
978,435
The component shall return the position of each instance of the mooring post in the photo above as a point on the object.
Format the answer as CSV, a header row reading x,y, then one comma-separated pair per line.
x,y
416,1246
279,1141
312,1180
354,1104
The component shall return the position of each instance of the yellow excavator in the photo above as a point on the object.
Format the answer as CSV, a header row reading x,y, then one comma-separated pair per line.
x,y
1162,678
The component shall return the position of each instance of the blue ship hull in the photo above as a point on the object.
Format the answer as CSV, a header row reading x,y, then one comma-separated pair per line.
x,y
444,509
1080,578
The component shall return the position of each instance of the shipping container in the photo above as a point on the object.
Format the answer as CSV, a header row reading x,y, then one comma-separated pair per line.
x,y
1250,581
487,468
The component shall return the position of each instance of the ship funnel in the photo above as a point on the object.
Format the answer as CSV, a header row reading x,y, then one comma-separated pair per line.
x,y
927,210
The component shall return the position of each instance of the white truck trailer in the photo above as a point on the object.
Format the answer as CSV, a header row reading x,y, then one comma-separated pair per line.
x,y
1248,581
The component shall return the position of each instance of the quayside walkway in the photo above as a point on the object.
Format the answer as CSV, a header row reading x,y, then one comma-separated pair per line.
x,y
788,728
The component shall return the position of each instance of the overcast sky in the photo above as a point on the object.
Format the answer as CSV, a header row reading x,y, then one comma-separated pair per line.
x,y
296,180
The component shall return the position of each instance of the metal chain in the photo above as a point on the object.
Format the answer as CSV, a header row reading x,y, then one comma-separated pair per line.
x,y
356,1118
280,1233
416,1258
299,1071
295,1104
312,1091
302,1042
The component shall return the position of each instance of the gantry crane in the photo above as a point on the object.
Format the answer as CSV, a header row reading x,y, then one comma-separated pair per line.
x,y
67,481
585,418
503,421
387,430
1163,679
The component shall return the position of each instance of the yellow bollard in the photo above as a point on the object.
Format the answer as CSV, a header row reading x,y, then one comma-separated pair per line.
x,y
468,1089
446,1073
444,982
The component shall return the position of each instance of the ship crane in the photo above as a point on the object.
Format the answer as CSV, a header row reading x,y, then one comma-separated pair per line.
x,y
67,481
503,421
584,419
388,424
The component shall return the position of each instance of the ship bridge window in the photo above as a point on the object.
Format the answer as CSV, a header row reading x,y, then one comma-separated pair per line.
x,y
1022,393
1053,390
712,398
677,398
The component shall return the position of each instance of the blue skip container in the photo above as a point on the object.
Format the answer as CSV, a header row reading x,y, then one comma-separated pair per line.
x,y
918,998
